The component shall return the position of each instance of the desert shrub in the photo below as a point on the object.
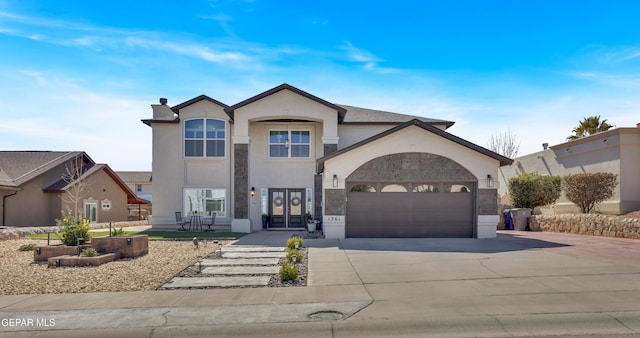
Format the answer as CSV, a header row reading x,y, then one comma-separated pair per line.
x,y
291,242
587,190
117,232
533,190
73,230
288,272
89,252
27,247
294,253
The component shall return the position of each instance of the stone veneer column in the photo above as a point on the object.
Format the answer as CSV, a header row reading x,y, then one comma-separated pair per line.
x,y
241,221
241,180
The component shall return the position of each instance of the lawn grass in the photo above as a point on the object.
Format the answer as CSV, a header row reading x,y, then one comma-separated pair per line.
x,y
160,234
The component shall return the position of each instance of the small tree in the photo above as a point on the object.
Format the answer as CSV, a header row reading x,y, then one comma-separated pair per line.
x,y
73,177
504,144
587,190
533,190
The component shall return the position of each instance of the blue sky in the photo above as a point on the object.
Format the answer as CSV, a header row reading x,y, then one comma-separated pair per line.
x,y
80,75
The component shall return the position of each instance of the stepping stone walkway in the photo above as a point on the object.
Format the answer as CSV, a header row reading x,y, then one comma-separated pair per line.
x,y
239,266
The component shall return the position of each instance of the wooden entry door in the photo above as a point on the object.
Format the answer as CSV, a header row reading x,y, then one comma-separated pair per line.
x,y
286,208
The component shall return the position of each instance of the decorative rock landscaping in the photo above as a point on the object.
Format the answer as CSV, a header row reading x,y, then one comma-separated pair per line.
x,y
588,224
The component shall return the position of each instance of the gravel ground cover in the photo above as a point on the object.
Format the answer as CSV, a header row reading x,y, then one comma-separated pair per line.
x,y
166,259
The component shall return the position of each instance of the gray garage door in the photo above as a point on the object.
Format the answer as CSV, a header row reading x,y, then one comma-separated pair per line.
x,y
410,209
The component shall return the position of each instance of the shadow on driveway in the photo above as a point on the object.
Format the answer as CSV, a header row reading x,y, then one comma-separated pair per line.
x,y
503,243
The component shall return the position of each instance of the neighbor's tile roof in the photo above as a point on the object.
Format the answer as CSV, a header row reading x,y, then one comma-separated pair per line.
x,y
135,176
17,167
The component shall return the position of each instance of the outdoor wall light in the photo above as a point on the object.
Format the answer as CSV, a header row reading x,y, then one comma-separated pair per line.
x,y
253,191
286,143
335,180
605,141
568,150
489,180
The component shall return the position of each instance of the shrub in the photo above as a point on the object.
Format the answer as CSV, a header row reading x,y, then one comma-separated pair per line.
x,y
288,272
291,242
533,190
73,230
117,232
89,252
587,190
27,247
294,253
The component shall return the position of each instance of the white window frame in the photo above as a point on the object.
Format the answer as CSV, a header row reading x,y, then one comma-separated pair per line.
x,y
289,132
204,139
200,202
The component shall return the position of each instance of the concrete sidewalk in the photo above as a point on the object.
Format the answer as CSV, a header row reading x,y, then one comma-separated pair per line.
x,y
520,284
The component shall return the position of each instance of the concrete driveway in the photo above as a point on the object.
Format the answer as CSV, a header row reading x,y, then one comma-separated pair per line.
x,y
520,284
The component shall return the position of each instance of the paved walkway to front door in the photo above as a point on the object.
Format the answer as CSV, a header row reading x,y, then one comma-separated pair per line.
x,y
250,261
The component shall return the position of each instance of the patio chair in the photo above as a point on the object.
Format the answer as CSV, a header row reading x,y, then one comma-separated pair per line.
x,y
209,222
181,221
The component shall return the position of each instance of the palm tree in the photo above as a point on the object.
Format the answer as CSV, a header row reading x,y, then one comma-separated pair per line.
x,y
589,126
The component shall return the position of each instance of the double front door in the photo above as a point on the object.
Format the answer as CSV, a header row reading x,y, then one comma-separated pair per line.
x,y
286,208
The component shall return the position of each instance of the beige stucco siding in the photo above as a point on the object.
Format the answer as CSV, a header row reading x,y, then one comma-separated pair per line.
x,y
100,187
350,134
266,172
286,105
410,139
616,151
177,172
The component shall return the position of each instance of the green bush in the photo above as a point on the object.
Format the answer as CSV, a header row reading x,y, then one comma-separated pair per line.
x,y
294,253
27,247
533,190
291,242
89,252
587,190
73,230
117,232
288,272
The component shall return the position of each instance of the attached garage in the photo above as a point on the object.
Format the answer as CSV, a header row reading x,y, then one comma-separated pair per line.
x,y
414,181
415,209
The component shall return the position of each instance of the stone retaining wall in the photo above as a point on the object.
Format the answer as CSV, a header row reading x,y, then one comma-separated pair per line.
x,y
18,232
587,224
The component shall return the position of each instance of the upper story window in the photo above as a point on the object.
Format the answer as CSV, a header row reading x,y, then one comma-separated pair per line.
x,y
204,138
289,143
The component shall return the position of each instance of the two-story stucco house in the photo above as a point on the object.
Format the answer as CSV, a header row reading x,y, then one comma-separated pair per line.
x,y
285,152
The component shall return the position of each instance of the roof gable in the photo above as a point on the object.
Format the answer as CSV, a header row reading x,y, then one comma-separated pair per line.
x,y
415,122
340,110
19,167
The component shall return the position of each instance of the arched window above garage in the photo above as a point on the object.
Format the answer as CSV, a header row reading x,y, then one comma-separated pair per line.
x,y
393,188
363,188
463,188
426,188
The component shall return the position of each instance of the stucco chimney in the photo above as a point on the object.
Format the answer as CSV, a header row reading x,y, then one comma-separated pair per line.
x,y
162,111
545,146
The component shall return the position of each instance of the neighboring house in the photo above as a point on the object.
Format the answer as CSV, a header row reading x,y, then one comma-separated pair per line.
x,y
614,151
141,184
35,188
285,152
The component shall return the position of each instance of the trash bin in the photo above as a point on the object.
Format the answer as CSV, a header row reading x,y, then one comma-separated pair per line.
x,y
520,218
508,221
